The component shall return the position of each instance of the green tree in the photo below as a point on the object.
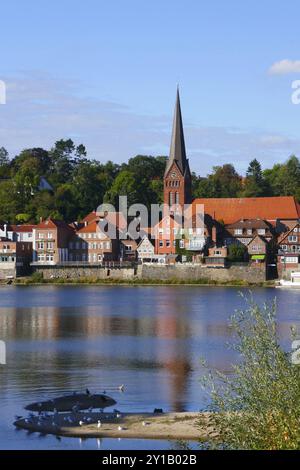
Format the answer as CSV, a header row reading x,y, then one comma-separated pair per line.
x,y
257,405
237,252
255,183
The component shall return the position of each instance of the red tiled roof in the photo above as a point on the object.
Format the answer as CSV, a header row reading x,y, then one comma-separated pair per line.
x,y
90,217
230,210
53,223
22,228
115,218
90,228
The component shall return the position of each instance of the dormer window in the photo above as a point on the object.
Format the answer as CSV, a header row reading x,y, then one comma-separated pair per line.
x,y
238,231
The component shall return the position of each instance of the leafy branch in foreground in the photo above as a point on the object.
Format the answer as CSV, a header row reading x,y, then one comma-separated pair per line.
x,y
258,405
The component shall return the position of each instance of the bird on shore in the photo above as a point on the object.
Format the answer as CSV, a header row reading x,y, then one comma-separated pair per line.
x,y
121,388
80,423
99,424
118,415
120,428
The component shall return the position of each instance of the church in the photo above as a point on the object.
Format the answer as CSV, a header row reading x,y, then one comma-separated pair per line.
x,y
218,212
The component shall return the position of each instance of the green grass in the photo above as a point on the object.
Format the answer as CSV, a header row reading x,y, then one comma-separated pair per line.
x,y
36,278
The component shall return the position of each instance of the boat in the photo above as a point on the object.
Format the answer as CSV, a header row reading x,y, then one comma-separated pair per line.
x,y
82,401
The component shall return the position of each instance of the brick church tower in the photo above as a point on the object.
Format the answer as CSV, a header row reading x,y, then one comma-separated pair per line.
x,y
177,177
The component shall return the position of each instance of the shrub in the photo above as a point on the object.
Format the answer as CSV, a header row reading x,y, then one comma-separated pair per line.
x,y
37,277
258,406
237,252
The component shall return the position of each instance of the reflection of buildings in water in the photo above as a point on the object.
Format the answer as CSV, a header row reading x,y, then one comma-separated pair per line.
x,y
29,323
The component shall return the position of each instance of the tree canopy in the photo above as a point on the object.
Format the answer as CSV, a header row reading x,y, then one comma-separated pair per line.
x,y
80,183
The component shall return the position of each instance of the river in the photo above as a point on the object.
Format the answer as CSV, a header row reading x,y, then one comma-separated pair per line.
x,y
151,339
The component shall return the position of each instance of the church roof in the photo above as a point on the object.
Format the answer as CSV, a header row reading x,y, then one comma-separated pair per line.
x,y
230,210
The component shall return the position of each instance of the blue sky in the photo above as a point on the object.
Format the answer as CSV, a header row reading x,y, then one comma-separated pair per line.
x,y
105,74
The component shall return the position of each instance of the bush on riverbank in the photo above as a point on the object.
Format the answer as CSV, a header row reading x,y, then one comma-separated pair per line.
x,y
258,405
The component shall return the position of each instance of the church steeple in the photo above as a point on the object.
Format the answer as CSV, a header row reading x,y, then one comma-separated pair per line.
x,y
177,179
177,150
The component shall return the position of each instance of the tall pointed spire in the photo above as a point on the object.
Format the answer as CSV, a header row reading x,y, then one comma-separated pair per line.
x,y
177,150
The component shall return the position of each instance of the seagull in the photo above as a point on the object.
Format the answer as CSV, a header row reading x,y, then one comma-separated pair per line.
x,y
80,423
118,415
120,428
121,388
99,424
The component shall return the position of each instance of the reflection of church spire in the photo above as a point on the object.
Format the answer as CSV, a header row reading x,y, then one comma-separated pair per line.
x,y
177,363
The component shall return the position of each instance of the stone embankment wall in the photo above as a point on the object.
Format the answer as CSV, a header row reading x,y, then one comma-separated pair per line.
x,y
185,272
77,272
194,272
7,270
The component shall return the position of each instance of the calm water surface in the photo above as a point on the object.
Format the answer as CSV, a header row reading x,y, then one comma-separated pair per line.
x,y
151,339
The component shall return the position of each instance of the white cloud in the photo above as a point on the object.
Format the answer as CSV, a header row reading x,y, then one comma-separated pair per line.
x,y
284,67
41,110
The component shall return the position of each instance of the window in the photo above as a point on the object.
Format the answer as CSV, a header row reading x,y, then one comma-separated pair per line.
x,y
293,238
261,231
50,235
181,243
291,259
238,231
177,197
161,243
249,231
40,245
295,229
255,248
168,243
170,199
49,257
49,245
41,235
128,248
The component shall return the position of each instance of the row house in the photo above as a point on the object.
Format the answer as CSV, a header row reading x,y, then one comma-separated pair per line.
x,y
145,250
50,242
243,231
288,256
92,244
15,257
170,235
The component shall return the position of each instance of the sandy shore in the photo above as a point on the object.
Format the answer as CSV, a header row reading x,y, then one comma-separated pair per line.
x,y
130,425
